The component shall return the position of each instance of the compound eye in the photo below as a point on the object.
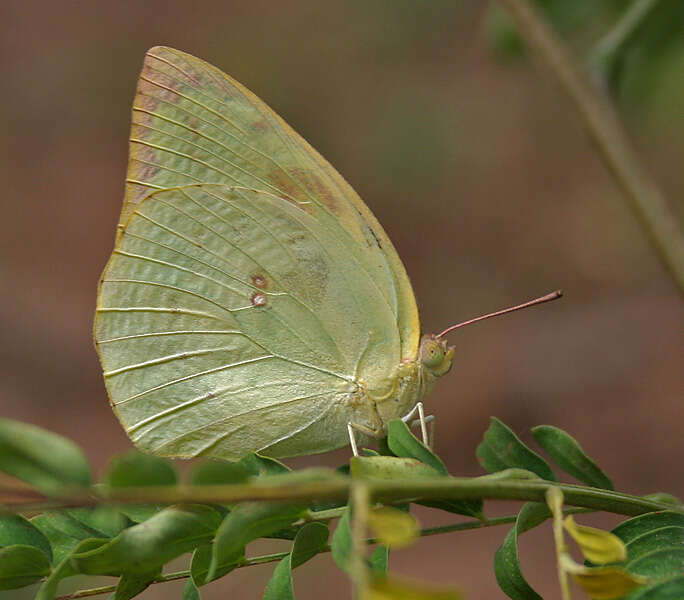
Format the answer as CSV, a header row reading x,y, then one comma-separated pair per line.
x,y
431,354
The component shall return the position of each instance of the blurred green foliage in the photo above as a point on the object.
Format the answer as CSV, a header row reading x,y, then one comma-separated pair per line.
x,y
651,59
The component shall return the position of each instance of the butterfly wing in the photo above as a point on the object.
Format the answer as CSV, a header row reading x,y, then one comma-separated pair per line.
x,y
194,124
249,287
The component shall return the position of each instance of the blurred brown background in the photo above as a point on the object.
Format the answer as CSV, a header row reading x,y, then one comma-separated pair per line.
x,y
478,169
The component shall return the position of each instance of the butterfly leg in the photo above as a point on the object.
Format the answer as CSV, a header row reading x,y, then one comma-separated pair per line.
x,y
363,429
352,439
422,420
431,433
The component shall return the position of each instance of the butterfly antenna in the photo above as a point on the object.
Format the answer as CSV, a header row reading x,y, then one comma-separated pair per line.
x,y
552,296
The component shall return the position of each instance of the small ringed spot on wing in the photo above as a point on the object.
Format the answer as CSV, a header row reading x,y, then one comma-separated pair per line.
x,y
258,299
259,281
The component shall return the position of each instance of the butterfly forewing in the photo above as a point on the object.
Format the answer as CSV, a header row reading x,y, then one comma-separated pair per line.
x,y
194,124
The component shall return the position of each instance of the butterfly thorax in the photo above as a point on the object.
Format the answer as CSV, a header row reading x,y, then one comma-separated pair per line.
x,y
412,380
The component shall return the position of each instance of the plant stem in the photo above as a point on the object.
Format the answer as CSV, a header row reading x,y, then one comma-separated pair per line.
x,y
607,132
608,50
554,500
360,502
379,490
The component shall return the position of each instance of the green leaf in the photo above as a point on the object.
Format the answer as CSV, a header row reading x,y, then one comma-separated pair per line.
x,y
48,590
280,586
246,522
190,591
653,567
310,540
469,508
142,548
342,542
15,529
135,469
379,560
199,566
22,565
406,445
569,456
258,466
219,472
665,590
506,562
130,585
655,544
41,458
501,449
66,529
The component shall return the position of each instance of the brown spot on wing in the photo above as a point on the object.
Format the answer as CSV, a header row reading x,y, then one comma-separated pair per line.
x,y
258,299
313,183
261,126
145,102
259,281
160,85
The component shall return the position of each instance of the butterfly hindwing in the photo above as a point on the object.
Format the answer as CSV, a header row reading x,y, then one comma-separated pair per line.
x,y
224,317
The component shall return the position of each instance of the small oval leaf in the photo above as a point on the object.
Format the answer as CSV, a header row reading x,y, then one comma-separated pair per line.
x,y
379,561
190,591
406,445
22,565
142,548
48,590
130,585
598,546
506,562
308,542
258,466
66,529
602,583
390,588
569,456
133,469
15,529
219,472
501,449
246,522
342,542
41,458
393,527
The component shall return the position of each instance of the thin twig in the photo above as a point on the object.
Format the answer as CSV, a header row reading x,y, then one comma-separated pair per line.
x,y
606,54
608,134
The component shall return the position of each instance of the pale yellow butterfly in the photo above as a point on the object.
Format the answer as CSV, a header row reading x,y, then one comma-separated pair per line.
x,y
252,301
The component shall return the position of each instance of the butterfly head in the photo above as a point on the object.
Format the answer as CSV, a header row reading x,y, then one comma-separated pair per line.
x,y
436,355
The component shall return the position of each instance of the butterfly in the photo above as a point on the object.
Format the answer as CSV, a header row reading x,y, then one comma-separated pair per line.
x,y
252,301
